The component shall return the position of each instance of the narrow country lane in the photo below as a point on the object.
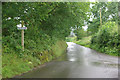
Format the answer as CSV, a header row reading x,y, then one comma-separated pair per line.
x,y
79,62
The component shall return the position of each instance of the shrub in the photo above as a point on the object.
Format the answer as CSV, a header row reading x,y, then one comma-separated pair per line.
x,y
107,38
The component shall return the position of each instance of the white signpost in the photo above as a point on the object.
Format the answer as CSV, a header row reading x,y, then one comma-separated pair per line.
x,y
22,28
22,34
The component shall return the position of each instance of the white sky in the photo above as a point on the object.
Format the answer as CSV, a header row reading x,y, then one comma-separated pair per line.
x,y
92,0
20,25
85,27
102,0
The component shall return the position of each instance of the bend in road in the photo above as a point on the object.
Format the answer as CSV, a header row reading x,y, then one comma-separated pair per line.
x,y
79,62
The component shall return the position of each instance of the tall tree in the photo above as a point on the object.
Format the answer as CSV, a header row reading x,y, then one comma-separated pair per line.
x,y
46,22
109,12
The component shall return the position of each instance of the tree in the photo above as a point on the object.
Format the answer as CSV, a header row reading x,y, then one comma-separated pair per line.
x,y
46,22
109,11
80,33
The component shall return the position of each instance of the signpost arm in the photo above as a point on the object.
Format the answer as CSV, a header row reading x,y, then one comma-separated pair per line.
x,y
22,37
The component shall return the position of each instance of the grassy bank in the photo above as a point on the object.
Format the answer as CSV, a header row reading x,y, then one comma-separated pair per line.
x,y
13,64
86,41
0,66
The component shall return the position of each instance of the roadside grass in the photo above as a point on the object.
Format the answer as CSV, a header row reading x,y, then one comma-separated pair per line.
x,y
0,57
13,64
85,41
71,39
59,48
0,66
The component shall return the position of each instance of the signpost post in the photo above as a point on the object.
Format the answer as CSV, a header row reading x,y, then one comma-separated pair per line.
x,y
22,37
100,18
22,34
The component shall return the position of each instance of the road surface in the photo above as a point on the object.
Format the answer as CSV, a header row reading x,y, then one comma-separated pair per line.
x,y
79,62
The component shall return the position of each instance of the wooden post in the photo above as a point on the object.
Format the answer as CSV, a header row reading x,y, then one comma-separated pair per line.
x,y
100,18
22,37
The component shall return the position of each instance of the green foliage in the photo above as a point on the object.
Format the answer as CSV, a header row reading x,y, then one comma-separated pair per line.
x,y
109,12
85,41
47,23
80,33
93,27
53,19
106,39
59,48
0,66
71,39
13,64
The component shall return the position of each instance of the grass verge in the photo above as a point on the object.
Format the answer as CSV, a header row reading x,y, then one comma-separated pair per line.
x,y
86,41
13,65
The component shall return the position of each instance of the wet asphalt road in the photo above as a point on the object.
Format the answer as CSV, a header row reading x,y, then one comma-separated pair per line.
x,y
79,62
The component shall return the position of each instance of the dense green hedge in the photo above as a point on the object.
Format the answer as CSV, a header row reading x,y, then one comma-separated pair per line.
x,y
106,39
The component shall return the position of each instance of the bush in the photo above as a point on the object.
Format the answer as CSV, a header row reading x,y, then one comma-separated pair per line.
x,y
106,39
